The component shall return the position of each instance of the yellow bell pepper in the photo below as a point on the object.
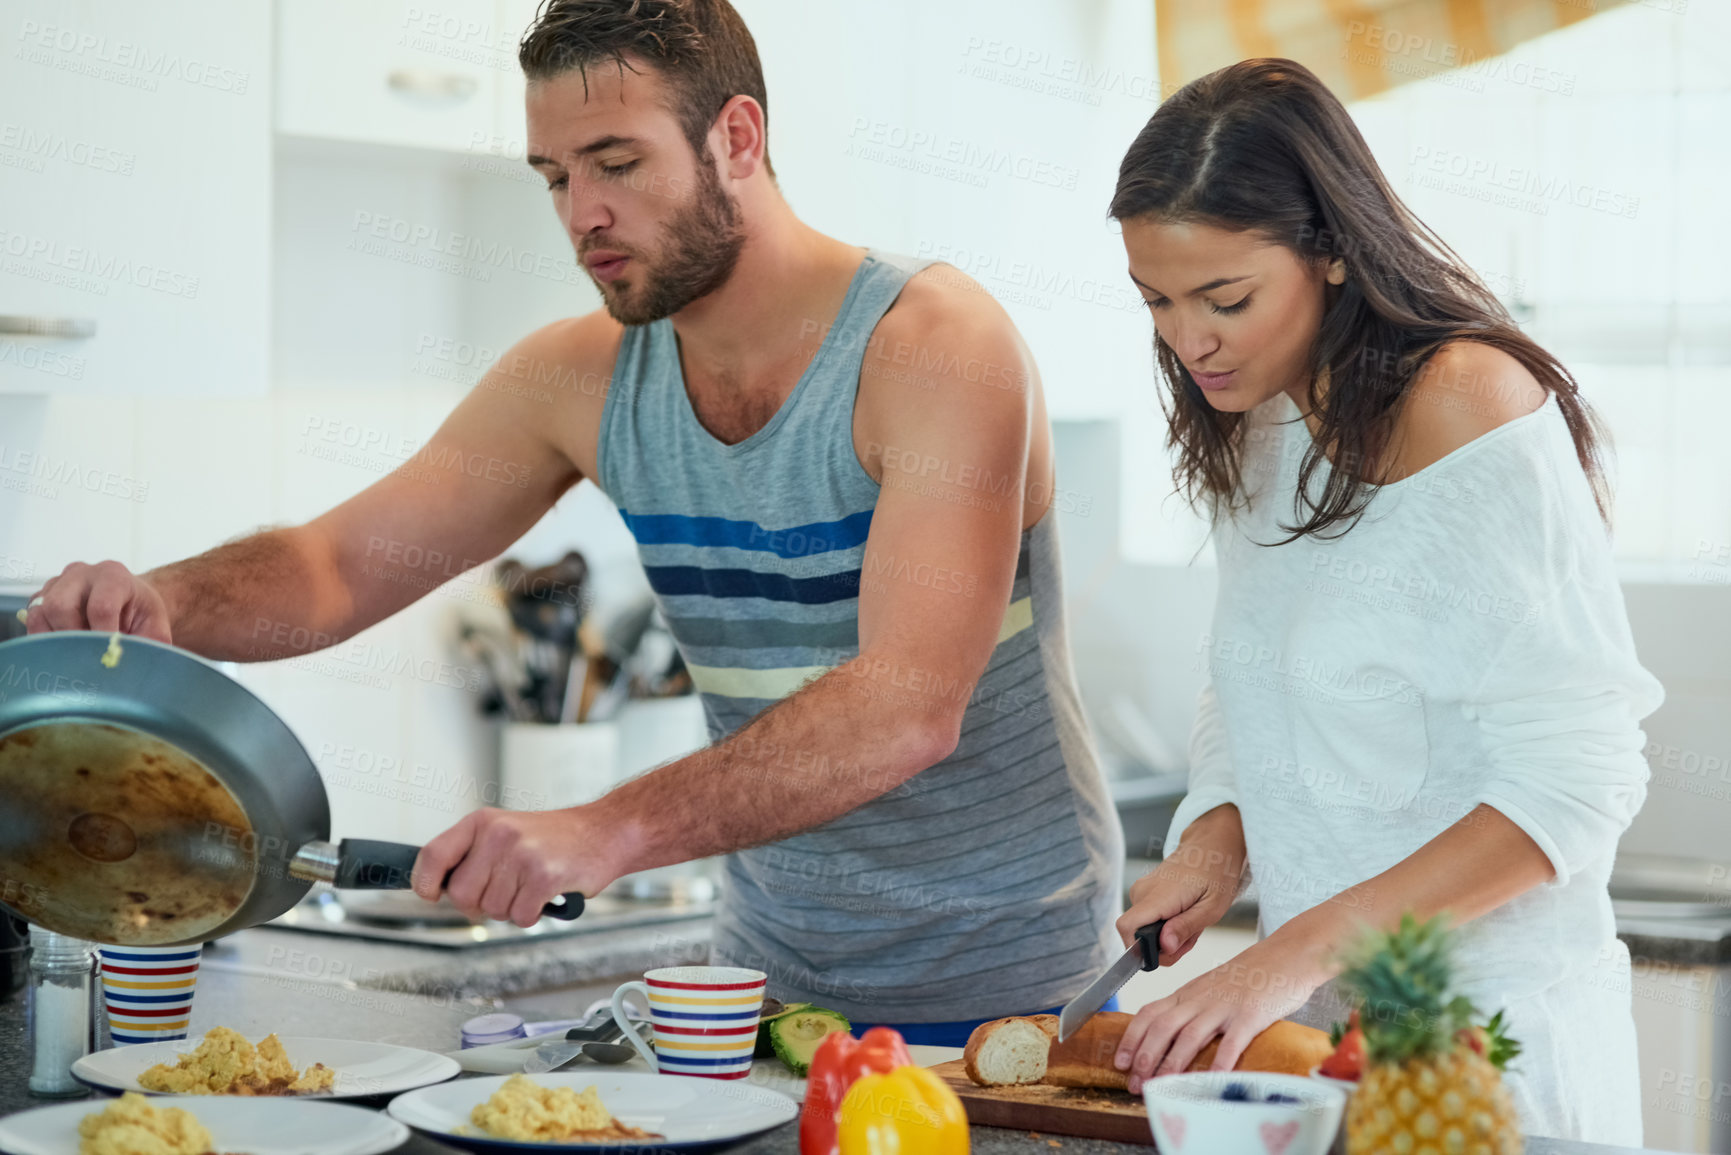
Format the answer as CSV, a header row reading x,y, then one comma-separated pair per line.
x,y
906,1111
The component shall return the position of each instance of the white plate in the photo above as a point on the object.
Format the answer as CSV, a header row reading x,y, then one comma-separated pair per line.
x,y
243,1126
688,1112
362,1068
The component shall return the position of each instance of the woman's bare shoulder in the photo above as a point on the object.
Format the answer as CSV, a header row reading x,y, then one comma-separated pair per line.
x,y
1463,392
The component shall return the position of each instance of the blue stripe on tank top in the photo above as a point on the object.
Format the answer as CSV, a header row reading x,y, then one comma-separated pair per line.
x,y
674,580
796,541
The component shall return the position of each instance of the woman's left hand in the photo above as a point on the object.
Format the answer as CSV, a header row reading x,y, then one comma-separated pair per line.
x,y
1236,1001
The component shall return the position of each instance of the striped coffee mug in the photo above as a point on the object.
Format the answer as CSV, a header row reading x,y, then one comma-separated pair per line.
x,y
704,1019
148,990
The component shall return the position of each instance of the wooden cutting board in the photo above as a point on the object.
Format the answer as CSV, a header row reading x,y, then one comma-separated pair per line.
x,y
1086,1113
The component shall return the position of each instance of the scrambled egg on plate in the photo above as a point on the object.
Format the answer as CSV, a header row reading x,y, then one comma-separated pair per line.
x,y
226,1064
131,1126
523,1109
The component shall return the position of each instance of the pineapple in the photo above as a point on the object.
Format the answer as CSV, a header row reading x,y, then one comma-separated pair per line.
x,y
1432,1083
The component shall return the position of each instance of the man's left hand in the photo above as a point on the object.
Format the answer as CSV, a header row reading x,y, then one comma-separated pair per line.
x,y
509,864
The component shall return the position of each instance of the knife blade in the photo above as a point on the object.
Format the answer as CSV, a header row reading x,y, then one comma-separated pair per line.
x,y
555,1053
1143,955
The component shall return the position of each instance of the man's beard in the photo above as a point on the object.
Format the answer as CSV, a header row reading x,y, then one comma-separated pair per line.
x,y
702,245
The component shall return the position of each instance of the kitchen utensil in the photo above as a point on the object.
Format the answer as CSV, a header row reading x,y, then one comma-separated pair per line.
x,y
548,602
575,675
547,606
612,697
552,1056
704,1019
1143,955
151,800
492,652
362,1068
255,1125
609,1054
688,1114
557,1052
548,767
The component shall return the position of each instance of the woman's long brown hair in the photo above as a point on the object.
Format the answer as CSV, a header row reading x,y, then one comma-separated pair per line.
x,y
1262,145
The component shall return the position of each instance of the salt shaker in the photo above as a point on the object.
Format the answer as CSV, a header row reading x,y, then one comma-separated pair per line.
x,y
63,1023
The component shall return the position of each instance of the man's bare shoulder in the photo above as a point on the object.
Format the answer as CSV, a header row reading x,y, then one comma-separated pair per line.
x,y
555,382
569,361
1463,392
946,329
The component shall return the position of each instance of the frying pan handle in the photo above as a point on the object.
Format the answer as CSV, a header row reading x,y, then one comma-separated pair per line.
x,y
366,864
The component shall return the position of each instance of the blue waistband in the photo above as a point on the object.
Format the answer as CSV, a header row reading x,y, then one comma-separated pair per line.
x,y
953,1034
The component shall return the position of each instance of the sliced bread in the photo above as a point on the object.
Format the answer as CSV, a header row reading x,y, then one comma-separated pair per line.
x,y
1005,1052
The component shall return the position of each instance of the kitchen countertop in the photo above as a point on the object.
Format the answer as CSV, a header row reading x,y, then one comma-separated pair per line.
x,y
460,975
507,970
279,1000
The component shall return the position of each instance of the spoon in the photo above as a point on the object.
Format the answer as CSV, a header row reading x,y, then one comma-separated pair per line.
x,y
608,1053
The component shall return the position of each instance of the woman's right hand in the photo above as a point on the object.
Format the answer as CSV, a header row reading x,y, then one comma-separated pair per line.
x,y
1193,887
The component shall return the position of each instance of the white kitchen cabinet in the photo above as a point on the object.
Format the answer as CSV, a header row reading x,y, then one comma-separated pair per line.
x,y
422,75
135,158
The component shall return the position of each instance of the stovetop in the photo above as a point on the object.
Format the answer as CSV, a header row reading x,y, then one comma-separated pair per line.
x,y
322,912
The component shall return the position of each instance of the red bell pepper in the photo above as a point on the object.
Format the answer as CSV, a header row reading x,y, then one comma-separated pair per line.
x,y
840,1060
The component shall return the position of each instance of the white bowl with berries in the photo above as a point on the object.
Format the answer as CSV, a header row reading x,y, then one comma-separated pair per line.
x,y
1211,1112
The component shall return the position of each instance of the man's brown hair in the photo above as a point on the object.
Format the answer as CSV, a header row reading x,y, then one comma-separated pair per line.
x,y
701,47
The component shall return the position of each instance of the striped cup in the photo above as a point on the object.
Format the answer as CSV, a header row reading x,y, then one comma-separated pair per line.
x,y
148,990
704,1018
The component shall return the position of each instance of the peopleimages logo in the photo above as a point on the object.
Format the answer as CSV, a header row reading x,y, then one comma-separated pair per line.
x,y
51,471
90,53
883,141
105,267
475,255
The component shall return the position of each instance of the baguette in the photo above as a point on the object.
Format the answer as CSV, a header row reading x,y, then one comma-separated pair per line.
x,y
1085,1059
1005,1052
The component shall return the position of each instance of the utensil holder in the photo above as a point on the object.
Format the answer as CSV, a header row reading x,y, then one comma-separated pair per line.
x,y
547,766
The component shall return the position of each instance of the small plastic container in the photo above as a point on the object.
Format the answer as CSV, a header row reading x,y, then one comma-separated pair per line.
x,y
485,1030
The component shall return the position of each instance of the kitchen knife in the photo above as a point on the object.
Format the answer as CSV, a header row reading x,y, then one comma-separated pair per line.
x,y
551,1055
1143,955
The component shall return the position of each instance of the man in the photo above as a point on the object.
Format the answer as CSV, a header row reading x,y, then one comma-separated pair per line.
x,y
838,469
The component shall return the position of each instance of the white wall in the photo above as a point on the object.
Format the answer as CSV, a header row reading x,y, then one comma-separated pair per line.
x,y
884,122
972,132
357,373
980,133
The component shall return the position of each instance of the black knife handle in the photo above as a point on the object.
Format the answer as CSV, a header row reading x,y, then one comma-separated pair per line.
x,y
1149,938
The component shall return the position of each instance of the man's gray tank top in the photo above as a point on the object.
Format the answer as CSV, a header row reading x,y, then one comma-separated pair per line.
x,y
987,884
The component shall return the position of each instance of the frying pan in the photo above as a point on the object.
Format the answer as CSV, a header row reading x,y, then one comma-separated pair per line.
x,y
151,800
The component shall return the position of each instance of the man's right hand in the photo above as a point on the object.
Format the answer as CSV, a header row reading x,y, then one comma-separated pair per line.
x,y
106,596
1193,887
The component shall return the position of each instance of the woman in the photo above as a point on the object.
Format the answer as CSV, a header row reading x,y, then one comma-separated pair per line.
x,y
1423,695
